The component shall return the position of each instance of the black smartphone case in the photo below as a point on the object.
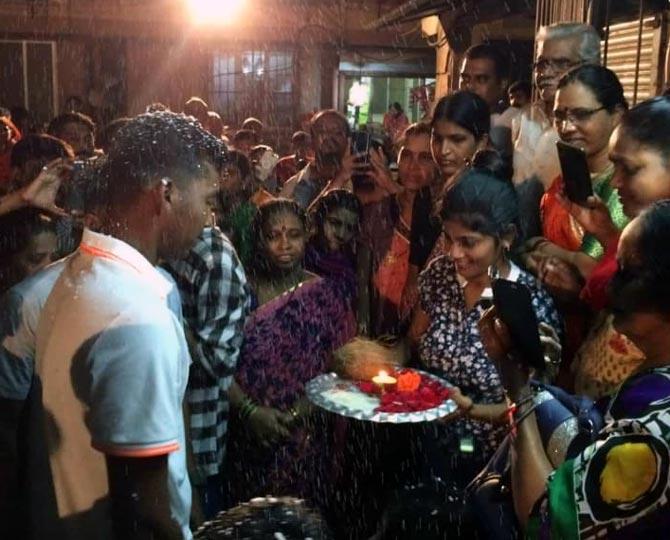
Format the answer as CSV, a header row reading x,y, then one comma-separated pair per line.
x,y
514,307
575,171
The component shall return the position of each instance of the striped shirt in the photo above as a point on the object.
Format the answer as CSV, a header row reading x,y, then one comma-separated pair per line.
x,y
215,302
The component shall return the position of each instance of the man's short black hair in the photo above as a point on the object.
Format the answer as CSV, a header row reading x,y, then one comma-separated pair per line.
x,y
490,52
159,145
196,100
253,124
301,137
242,135
20,115
42,147
57,125
521,86
330,112
157,106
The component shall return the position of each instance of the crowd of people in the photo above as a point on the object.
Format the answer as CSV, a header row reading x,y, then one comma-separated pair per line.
x,y
169,288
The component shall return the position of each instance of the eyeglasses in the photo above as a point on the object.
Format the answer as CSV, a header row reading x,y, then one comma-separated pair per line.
x,y
556,64
575,116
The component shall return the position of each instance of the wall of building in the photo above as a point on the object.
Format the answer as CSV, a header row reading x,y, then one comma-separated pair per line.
x,y
72,61
309,78
518,31
162,57
166,72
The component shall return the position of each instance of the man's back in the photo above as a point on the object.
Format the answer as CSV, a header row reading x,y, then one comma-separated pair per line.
x,y
113,362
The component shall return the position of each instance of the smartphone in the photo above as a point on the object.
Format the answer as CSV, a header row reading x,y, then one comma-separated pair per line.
x,y
514,307
575,170
71,193
362,143
360,147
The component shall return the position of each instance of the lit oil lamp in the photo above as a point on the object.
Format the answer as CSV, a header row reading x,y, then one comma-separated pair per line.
x,y
384,380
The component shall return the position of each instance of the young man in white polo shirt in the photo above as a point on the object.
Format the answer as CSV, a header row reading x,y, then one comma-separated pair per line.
x,y
112,357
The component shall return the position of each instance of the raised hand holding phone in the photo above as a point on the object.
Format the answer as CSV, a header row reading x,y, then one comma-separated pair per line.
x,y
498,344
514,307
594,217
345,173
575,173
380,173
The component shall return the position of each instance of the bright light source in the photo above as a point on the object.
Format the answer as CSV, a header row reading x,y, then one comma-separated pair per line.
x,y
215,11
359,94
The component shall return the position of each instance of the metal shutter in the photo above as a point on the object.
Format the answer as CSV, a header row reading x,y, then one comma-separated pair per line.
x,y
622,52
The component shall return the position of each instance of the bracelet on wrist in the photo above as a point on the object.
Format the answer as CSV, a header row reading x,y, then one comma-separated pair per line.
x,y
247,408
524,399
519,410
254,409
521,416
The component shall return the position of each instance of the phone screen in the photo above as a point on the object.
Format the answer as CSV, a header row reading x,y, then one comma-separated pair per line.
x,y
575,171
514,307
71,193
361,143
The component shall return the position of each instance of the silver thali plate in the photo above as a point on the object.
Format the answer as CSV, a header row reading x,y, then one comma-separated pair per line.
x,y
342,396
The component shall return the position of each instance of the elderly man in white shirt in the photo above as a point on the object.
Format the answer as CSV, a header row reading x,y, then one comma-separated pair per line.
x,y
560,47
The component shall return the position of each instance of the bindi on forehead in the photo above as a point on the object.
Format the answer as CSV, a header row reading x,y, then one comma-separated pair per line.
x,y
284,221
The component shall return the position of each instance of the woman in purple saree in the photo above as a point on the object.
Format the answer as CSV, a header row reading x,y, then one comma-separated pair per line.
x,y
279,444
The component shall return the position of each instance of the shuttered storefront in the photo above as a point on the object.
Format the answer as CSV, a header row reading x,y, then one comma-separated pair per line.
x,y
621,56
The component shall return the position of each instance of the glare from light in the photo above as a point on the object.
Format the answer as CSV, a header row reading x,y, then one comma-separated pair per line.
x,y
359,94
215,11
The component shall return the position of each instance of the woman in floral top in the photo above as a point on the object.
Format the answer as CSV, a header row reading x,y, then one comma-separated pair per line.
x,y
479,222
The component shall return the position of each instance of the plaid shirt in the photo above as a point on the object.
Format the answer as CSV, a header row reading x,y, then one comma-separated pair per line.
x,y
215,301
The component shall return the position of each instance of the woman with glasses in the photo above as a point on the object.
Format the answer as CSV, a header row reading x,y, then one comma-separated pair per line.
x,y
639,149
588,107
